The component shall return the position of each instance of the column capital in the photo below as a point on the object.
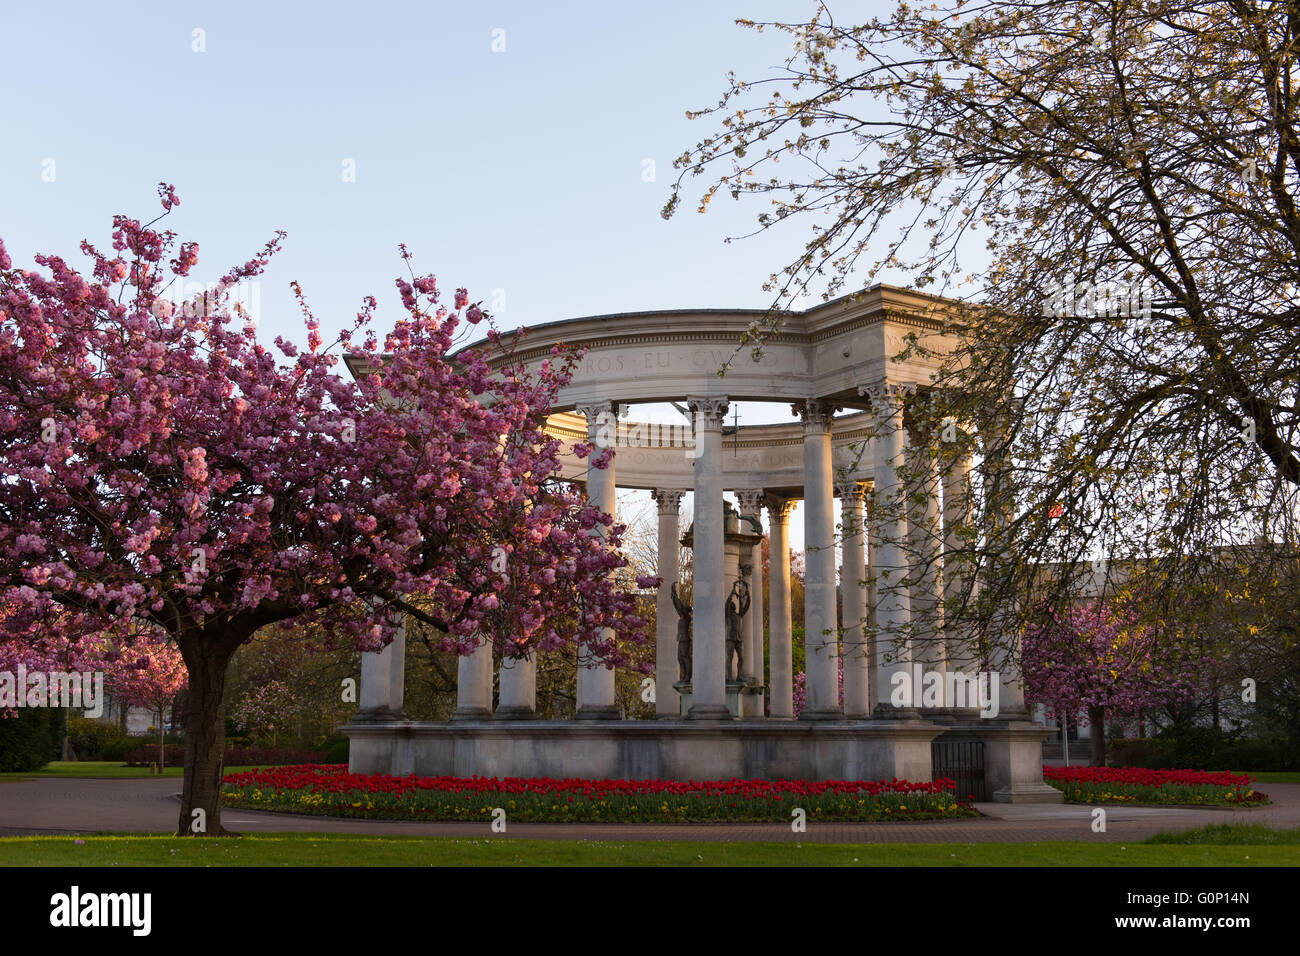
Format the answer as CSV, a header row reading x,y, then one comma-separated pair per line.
x,y
602,425
852,491
669,499
779,509
709,411
887,393
591,410
750,499
815,413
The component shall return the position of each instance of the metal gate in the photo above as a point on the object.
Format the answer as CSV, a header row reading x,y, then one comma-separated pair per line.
x,y
961,761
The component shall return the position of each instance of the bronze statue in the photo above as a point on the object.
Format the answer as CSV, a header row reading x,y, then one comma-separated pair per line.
x,y
737,608
683,635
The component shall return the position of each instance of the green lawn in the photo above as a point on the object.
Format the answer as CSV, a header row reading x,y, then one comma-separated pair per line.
x,y
1276,776
1230,834
347,850
101,769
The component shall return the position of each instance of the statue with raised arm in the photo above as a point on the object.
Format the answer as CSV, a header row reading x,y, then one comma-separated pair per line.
x,y
683,635
737,608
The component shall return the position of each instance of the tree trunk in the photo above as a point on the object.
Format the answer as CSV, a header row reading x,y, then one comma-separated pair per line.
x,y
205,738
162,741
1097,718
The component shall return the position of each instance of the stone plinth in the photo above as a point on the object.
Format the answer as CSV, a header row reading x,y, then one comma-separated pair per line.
x,y
650,749
1013,758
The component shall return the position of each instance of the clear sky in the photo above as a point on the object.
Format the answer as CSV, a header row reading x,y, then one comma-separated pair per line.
x,y
520,173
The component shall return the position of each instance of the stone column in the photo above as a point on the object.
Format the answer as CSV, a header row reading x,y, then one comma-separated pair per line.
x,y
474,683
821,641
853,585
873,546
751,507
709,596
518,688
1000,508
666,671
595,692
924,534
383,678
957,501
780,656
893,607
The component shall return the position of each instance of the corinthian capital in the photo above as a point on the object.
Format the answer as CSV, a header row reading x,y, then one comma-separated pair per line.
x,y
779,509
670,500
851,492
887,393
816,413
751,500
708,412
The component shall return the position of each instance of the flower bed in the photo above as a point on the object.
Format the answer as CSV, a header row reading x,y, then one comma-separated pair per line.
x,y
331,791
1139,785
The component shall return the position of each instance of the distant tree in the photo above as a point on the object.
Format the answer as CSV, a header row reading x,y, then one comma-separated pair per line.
x,y
1099,659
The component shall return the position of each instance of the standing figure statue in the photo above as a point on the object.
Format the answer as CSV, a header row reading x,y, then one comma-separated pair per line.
x,y
737,608
683,635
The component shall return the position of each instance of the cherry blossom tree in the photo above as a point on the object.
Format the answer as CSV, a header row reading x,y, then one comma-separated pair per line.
x,y
1097,658
159,464
148,672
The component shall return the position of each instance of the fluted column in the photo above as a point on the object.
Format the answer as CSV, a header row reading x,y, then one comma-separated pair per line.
x,y
595,691
893,607
667,703
751,507
383,676
474,682
709,596
853,586
781,640
821,642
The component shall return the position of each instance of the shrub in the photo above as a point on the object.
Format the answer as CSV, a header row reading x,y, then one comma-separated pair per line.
x,y
89,737
1249,753
1147,752
32,739
1204,748
336,750
120,748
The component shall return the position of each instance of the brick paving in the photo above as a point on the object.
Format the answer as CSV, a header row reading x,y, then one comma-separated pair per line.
x,y
50,805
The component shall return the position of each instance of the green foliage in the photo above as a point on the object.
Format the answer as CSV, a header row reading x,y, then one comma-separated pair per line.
x,y
1229,834
117,749
336,750
89,737
32,739
1205,748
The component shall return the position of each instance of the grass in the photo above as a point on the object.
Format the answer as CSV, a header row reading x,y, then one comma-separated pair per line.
x,y
101,770
1229,834
349,850
1274,776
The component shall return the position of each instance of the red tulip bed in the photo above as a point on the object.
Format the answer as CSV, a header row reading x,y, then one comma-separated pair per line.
x,y
329,790
1138,785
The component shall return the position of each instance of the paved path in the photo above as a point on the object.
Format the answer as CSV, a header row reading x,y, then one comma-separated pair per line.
x,y
41,805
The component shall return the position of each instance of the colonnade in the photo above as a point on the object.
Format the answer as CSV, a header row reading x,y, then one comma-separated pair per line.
x,y
894,581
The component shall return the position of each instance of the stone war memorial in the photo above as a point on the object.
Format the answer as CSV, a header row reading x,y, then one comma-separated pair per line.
x,y
717,717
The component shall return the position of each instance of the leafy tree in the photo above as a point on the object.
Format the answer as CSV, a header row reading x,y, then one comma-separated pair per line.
x,y
1128,169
